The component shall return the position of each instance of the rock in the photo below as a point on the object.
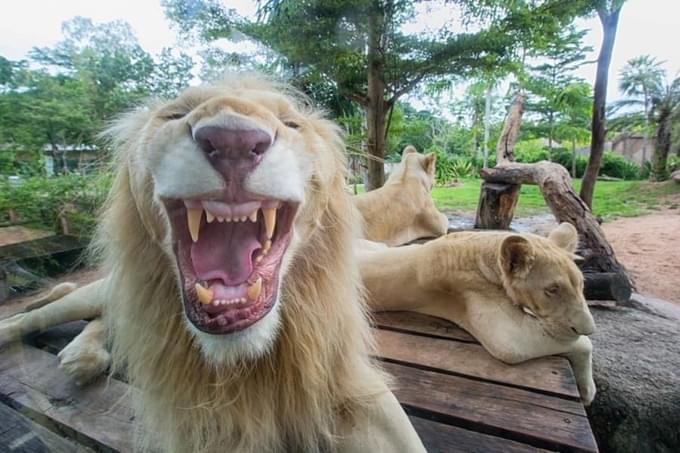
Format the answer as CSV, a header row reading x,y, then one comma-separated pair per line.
x,y
675,176
636,365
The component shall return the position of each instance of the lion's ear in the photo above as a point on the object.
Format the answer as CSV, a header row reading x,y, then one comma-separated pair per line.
x,y
429,163
517,256
410,149
565,236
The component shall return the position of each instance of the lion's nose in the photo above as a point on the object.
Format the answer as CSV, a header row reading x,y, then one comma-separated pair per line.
x,y
232,146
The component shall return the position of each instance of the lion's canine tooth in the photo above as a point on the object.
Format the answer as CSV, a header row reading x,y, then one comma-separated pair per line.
x,y
269,220
205,295
253,216
194,222
255,289
209,217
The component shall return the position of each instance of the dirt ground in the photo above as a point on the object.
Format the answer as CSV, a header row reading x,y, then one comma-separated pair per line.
x,y
649,247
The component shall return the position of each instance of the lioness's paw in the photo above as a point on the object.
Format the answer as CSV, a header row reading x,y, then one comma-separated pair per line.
x,y
588,392
83,362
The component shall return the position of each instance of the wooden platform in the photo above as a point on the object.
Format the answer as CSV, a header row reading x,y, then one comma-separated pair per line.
x,y
458,397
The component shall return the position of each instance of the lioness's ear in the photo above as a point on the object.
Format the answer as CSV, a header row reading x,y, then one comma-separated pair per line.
x,y
565,236
408,150
429,163
517,256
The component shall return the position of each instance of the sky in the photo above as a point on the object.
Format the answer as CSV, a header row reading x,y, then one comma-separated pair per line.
x,y
645,27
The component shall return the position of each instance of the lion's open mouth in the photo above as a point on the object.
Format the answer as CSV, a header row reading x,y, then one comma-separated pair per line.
x,y
229,256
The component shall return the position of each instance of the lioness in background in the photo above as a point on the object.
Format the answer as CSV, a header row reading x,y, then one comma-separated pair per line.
x,y
403,210
520,295
233,291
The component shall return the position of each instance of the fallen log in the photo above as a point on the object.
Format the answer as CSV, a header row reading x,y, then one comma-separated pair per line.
x,y
555,184
606,286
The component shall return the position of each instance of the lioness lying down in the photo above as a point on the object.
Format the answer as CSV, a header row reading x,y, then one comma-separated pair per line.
x,y
403,210
234,292
521,296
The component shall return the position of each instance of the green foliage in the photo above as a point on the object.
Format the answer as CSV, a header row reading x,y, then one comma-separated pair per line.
x,y
66,94
41,202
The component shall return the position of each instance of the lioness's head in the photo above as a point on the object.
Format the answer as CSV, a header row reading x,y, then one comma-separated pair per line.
x,y
230,180
415,166
540,276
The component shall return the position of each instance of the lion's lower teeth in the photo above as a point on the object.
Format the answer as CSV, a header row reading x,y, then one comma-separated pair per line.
x,y
255,289
205,295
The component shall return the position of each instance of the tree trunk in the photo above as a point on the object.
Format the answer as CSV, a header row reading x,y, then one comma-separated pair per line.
x,y
609,25
661,150
573,158
376,107
496,207
513,122
487,121
566,206
551,132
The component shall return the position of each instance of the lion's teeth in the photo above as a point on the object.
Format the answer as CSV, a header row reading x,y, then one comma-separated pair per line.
x,y
253,216
194,222
528,312
243,218
220,218
269,221
205,295
209,217
255,289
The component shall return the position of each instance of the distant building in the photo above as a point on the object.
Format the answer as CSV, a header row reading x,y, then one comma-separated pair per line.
x,y
630,146
66,158
627,145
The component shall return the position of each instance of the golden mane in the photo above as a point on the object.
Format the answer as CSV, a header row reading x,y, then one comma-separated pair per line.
x,y
286,400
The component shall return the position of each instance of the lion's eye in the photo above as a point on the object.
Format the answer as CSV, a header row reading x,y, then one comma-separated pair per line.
x,y
552,290
291,124
173,116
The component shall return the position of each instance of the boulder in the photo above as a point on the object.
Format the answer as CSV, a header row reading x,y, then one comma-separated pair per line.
x,y
675,176
636,365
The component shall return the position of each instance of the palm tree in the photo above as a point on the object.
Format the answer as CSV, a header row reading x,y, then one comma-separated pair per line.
x,y
665,113
641,77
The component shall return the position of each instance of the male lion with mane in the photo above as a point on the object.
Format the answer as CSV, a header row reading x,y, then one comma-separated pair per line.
x,y
238,315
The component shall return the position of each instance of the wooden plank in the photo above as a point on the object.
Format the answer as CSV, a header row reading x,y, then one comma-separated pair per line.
x,y
98,414
539,420
55,339
551,375
441,438
19,434
405,321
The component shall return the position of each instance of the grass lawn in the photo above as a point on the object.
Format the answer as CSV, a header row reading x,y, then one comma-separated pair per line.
x,y
612,198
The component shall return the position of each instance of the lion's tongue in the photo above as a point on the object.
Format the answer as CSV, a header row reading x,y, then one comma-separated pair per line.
x,y
224,251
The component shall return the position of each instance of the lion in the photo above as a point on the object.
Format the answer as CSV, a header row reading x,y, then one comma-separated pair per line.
x,y
235,306
520,295
403,210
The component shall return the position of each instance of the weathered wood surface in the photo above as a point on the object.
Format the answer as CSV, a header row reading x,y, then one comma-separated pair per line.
x,y
555,184
505,148
19,433
458,397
